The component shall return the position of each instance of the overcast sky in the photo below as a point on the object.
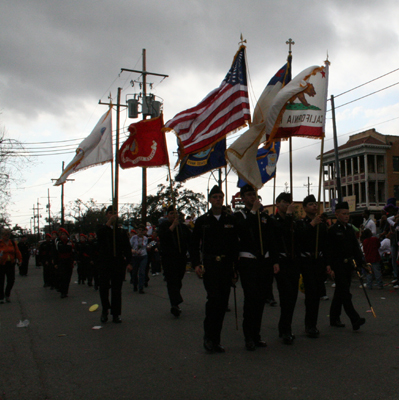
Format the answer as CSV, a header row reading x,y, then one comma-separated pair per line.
x,y
59,58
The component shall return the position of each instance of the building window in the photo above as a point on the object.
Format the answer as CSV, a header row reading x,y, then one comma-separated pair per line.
x,y
372,192
381,192
363,192
362,164
395,160
342,166
370,164
396,191
381,164
355,165
349,166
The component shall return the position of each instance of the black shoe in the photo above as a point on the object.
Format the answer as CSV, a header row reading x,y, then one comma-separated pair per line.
x,y
116,319
273,303
260,343
356,325
135,289
141,291
208,345
175,310
63,295
337,323
312,332
104,318
288,338
219,349
250,345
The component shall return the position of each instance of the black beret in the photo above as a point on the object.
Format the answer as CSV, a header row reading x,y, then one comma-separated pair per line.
x,y
309,199
342,205
245,189
284,196
215,190
109,209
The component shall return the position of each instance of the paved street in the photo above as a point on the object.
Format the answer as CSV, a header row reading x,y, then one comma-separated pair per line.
x,y
153,355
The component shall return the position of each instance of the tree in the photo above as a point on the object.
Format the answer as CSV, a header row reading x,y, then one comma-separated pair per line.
x,y
86,216
12,160
187,202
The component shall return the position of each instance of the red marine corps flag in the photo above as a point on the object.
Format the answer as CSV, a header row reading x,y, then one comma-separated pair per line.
x,y
146,145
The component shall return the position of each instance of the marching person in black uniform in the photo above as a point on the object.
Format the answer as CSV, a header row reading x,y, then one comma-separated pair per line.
x,y
288,276
343,249
24,249
257,263
46,255
92,251
63,260
82,258
174,240
308,232
112,266
215,238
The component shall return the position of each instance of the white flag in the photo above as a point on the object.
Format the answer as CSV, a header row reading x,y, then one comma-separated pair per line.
x,y
95,149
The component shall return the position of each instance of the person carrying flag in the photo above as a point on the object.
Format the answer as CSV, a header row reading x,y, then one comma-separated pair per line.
x,y
258,260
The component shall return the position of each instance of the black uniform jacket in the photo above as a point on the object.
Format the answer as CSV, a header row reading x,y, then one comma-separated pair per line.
x,y
305,240
46,252
343,247
248,233
170,242
105,240
283,231
214,238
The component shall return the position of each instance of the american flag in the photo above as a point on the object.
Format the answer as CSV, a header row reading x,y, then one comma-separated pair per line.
x,y
222,111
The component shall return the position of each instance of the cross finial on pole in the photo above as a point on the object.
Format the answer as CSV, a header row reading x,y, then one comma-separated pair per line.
x,y
290,42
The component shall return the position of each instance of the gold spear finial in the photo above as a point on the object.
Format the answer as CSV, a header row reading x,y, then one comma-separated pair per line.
x,y
242,41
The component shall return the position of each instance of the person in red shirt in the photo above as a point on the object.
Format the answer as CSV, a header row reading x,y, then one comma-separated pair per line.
x,y
371,245
9,254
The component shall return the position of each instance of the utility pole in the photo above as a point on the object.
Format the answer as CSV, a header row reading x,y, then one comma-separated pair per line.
x,y
36,214
62,196
48,207
144,74
308,185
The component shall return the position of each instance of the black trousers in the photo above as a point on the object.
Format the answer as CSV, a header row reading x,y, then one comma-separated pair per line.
x,y
47,271
23,268
65,273
313,273
110,278
255,276
342,296
174,269
7,271
217,282
287,284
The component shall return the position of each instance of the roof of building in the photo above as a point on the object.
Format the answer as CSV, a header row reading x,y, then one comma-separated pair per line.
x,y
357,142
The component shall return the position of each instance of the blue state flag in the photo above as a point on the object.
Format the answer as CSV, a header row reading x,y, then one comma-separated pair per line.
x,y
267,161
197,164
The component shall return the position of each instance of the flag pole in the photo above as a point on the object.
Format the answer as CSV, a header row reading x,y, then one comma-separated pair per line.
x,y
260,227
274,190
174,205
116,186
225,181
327,63
319,195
